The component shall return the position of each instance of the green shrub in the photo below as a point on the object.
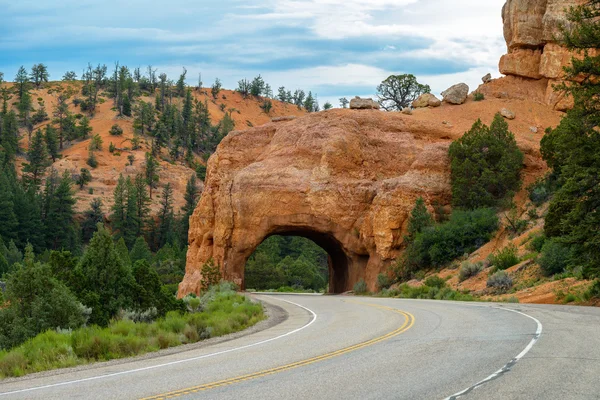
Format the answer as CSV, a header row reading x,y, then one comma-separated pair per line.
x,y
226,312
478,96
554,257
92,161
485,165
505,258
500,281
468,270
540,191
465,232
537,243
116,130
383,281
435,281
594,291
360,287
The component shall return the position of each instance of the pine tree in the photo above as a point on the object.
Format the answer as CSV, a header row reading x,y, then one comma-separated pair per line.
x,y
119,207
51,140
84,129
572,149
28,212
126,106
10,136
59,222
37,155
151,172
91,218
181,84
131,228
8,219
39,75
22,81
143,201
123,251
419,219
106,283
61,113
165,216
140,251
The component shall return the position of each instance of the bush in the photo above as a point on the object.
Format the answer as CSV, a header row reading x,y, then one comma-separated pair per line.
x,y
465,232
485,165
116,130
540,191
383,281
555,257
225,313
500,281
360,287
594,290
469,270
478,96
537,243
92,161
435,281
427,292
505,258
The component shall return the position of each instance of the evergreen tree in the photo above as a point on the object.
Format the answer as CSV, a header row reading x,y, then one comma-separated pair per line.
x,y
131,228
8,219
61,113
140,251
51,139
419,219
37,302
126,106
485,165
181,84
91,218
143,201
37,155
84,129
119,207
22,81
30,228
309,103
59,222
123,251
10,136
105,283
165,217
572,149
151,172
39,75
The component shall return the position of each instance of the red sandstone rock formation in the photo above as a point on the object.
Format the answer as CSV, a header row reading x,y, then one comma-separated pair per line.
x,y
531,29
345,179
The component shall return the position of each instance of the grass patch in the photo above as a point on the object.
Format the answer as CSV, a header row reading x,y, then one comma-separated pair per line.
x,y
224,312
405,291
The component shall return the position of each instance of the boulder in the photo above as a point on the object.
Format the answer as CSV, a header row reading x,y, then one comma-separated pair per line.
x,y
456,94
508,114
346,180
486,78
358,103
426,100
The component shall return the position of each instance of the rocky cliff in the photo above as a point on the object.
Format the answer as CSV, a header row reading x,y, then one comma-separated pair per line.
x,y
531,30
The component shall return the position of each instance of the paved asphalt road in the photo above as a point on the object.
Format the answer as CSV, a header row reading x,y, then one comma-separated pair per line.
x,y
336,347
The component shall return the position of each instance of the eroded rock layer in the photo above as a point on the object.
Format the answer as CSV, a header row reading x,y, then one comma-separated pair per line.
x,y
531,31
345,179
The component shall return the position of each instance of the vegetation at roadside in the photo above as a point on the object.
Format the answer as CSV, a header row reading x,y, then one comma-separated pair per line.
x,y
571,150
220,311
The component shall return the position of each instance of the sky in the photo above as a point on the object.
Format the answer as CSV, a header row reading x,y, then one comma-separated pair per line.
x,y
335,48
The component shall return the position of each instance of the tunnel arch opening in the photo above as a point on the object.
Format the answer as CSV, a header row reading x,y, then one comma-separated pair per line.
x,y
335,259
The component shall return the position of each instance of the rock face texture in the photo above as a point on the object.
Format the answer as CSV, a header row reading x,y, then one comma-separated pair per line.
x,y
345,179
530,30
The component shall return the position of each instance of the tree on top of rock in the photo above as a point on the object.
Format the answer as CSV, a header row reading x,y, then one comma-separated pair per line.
x,y
399,91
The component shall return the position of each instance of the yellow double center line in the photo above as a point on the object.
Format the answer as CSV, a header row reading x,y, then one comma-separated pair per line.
x,y
409,322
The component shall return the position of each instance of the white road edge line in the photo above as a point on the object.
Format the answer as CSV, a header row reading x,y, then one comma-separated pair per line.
x,y
508,366
131,371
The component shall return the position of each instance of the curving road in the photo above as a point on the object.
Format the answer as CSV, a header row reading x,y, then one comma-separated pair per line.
x,y
363,348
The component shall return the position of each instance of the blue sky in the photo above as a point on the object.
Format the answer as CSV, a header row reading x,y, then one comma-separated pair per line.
x,y
335,48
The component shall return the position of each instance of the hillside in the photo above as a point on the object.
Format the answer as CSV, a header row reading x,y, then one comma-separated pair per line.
x,y
244,111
